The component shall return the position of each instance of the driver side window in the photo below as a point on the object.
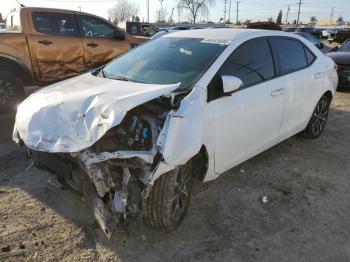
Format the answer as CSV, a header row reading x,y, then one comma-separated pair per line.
x,y
96,28
251,62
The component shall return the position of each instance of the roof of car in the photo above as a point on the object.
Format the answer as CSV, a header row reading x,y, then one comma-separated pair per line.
x,y
224,33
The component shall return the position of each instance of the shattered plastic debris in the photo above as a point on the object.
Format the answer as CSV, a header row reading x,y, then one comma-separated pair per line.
x,y
264,199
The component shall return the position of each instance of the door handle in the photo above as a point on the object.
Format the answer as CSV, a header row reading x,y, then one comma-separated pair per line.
x,y
318,75
45,42
277,92
92,45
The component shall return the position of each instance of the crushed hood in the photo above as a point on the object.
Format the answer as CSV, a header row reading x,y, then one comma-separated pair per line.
x,y
72,115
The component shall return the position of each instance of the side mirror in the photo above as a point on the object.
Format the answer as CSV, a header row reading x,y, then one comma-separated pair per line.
x,y
120,35
231,83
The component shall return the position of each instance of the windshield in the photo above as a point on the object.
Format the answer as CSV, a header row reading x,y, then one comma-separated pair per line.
x,y
345,47
166,60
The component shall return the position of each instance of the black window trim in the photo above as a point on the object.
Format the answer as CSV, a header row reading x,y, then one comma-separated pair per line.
x,y
79,17
277,73
274,53
77,32
248,86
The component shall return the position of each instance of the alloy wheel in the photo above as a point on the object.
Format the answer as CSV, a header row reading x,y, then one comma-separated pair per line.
x,y
319,118
181,194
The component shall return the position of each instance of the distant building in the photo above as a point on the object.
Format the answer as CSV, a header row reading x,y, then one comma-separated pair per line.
x,y
326,22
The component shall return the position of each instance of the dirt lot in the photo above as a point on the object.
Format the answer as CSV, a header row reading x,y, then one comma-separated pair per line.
x,y
306,217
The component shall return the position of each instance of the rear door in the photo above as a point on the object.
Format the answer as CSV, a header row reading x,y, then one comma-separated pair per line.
x,y
248,121
55,45
99,41
302,80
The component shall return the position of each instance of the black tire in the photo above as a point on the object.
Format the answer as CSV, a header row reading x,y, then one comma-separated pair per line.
x,y
169,198
11,91
318,119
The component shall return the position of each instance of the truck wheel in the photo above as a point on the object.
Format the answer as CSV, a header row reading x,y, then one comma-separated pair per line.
x,y
11,91
169,198
318,119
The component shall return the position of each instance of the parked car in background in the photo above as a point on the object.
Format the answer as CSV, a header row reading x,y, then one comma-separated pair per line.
x,y
42,46
138,32
133,135
2,26
310,30
341,56
181,27
342,35
289,29
312,39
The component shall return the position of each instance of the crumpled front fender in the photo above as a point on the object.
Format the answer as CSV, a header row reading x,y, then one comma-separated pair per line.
x,y
182,135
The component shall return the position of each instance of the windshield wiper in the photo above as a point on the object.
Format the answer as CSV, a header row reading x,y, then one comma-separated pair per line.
x,y
128,79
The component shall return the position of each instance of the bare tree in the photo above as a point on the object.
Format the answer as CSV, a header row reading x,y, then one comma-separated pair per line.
x,y
195,7
161,15
313,20
124,10
1,19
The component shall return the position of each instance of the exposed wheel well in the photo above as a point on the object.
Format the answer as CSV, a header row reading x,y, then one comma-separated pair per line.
x,y
200,163
15,68
329,95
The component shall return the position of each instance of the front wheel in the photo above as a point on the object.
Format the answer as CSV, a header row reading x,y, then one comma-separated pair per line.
x,y
318,119
169,198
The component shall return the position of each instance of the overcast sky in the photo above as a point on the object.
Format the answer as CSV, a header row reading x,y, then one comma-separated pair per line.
x,y
248,9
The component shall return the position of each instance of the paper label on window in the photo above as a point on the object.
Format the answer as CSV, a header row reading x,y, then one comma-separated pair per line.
x,y
217,41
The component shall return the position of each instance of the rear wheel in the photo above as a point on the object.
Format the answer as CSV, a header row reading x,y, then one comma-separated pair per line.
x,y
318,119
11,91
169,198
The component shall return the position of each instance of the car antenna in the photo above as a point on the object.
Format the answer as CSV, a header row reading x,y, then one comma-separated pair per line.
x,y
21,5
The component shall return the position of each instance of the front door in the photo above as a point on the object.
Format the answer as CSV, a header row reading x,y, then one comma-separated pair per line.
x,y
56,46
248,121
100,42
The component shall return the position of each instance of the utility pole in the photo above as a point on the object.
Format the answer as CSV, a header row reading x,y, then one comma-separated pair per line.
x,y
300,3
225,1
147,3
229,12
332,13
237,12
288,9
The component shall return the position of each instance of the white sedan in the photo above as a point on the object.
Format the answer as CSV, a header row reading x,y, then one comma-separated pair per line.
x,y
133,135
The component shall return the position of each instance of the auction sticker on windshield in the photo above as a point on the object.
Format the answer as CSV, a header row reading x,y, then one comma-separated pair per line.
x,y
217,41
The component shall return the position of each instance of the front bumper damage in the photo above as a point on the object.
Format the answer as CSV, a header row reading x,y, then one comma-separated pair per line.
x,y
111,144
115,185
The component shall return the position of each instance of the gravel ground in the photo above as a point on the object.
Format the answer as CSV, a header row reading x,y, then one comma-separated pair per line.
x,y
306,218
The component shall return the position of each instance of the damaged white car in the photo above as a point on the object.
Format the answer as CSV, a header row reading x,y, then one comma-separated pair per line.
x,y
132,136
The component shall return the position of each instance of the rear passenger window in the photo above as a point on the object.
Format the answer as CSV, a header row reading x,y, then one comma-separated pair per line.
x,y
290,54
251,62
310,57
55,24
